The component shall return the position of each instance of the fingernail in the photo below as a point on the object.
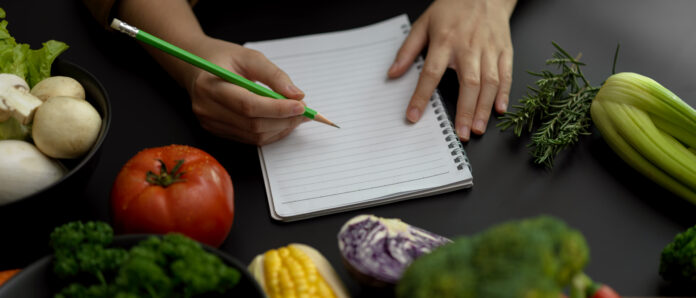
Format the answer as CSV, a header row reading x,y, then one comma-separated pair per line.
x,y
413,115
463,132
298,110
294,90
479,126
305,119
393,68
503,107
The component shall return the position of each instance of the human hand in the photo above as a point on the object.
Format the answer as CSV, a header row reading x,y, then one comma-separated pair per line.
x,y
473,38
230,111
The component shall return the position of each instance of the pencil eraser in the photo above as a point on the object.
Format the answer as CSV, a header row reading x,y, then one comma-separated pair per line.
x,y
116,24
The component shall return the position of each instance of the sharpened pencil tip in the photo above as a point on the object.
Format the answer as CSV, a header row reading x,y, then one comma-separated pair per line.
x,y
322,119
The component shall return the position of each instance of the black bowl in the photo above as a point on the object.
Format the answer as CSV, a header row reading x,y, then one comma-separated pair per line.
x,y
37,280
26,223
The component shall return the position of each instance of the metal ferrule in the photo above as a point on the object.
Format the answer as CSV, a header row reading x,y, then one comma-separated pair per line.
x,y
128,29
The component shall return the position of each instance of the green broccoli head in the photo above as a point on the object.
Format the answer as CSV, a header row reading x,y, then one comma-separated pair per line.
x,y
169,266
71,235
678,258
198,271
82,291
141,276
445,272
174,266
528,258
79,248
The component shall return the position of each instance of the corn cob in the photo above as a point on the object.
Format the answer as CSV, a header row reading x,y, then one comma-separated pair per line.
x,y
296,270
651,129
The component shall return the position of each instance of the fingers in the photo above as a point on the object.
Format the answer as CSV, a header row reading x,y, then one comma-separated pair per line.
x,y
247,136
505,72
231,117
490,82
248,104
258,68
233,112
433,69
469,88
410,49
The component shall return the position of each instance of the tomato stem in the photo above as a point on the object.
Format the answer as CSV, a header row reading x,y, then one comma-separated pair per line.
x,y
166,178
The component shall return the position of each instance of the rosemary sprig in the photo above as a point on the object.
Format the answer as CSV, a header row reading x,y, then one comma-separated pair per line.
x,y
560,101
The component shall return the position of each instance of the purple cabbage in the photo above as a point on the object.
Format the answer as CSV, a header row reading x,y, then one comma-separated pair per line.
x,y
378,250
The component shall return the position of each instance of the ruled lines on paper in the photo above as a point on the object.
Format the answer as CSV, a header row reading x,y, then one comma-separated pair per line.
x,y
376,152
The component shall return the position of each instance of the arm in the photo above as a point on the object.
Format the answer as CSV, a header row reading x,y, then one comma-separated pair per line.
x,y
473,38
221,107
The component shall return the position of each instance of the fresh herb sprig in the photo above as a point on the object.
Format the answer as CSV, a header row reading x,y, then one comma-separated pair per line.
x,y
558,107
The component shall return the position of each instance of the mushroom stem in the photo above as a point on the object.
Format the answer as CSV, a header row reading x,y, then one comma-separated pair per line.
x,y
17,103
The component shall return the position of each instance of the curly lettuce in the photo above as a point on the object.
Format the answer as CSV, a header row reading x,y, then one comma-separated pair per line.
x,y
31,65
21,60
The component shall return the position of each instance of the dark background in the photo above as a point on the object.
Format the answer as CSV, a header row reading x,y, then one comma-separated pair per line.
x,y
626,219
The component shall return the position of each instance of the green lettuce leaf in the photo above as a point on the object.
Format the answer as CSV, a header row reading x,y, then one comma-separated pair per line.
x,y
21,60
12,129
39,61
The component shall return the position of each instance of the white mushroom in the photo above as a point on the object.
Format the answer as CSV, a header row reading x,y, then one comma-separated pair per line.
x,y
15,99
14,81
65,127
24,170
58,86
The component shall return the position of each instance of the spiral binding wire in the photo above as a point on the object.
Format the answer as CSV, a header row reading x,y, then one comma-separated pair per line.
x,y
460,157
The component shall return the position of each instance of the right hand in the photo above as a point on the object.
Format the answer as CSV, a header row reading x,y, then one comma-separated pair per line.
x,y
233,112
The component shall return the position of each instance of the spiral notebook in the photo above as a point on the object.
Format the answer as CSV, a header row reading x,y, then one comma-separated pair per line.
x,y
377,156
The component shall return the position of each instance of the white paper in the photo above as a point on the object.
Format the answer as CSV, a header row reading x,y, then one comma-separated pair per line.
x,y
377,154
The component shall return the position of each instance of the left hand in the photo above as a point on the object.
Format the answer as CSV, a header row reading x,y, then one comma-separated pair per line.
x,y
473,38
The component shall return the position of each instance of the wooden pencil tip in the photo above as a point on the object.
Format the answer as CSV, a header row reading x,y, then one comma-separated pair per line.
x,y
322,119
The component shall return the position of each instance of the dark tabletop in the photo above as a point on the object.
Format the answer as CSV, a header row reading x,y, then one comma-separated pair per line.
x,y
626,219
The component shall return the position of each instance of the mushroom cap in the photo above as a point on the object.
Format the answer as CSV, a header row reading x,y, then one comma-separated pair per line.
x,y
58,86
65,127
8,79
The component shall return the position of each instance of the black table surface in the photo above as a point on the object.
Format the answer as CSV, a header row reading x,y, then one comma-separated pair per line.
x,y
626,218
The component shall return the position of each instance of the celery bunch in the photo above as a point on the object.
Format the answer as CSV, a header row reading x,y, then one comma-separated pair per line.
x,y
650,128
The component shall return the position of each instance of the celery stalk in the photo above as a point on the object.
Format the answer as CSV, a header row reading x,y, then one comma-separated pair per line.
x,y
632,157
650,128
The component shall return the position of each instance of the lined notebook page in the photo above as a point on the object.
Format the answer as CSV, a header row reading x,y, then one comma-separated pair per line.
x,y
376,155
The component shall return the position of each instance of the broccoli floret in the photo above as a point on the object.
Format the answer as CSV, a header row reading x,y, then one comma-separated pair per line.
x,y
529,258
77,290
143,277
171,266
678,258
174,266
79,249
73,234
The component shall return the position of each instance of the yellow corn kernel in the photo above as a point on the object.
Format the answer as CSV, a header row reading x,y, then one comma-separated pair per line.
x,y
289,272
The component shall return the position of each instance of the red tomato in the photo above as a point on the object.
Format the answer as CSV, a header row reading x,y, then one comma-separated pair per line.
x,y
174,189
605,291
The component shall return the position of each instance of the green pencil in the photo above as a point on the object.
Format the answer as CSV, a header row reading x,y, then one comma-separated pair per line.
x,y
209,66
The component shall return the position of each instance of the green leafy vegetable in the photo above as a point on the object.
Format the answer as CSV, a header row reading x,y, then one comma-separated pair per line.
x,y
170,266
11,129
21,60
